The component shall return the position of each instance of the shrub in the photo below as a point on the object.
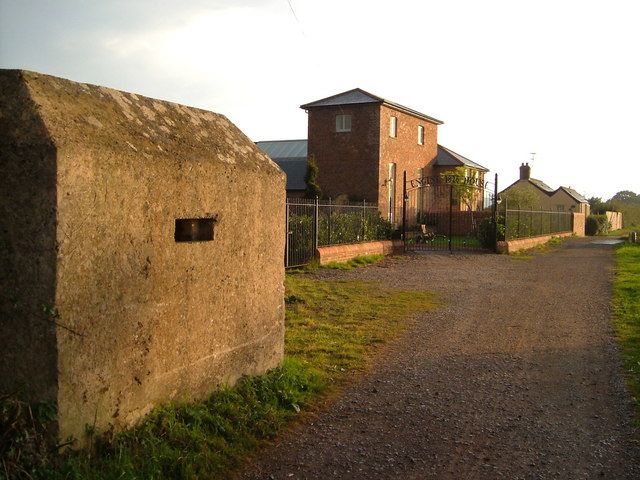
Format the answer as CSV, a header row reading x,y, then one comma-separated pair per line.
x,y
351,226
597,225
485,231
348,225
311,179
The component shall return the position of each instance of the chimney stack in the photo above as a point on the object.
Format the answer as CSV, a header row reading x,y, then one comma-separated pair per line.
x,y
525,171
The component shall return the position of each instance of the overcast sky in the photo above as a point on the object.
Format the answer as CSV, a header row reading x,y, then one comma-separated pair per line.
x,y
560,78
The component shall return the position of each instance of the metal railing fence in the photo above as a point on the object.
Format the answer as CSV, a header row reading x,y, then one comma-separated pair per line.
x,y
314,223
533,223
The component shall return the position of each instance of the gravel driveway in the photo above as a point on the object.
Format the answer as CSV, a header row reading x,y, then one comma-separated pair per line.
x,y
516,376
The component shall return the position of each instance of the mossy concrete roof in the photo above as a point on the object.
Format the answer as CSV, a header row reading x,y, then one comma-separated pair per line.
x,y
84,115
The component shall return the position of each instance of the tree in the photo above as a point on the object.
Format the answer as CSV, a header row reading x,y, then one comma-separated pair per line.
x,y
519,198
311,179
465,187
598,206
626,196
628,203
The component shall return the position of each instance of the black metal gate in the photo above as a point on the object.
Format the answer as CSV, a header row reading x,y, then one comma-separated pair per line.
x,y
449,213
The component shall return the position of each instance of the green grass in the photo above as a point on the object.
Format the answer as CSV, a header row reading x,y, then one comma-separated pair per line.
x,y
333,326
443,240
626,303
624,232
356,262
332,329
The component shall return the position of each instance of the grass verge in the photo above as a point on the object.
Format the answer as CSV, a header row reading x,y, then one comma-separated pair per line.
x,y
626,307
624,232
332,328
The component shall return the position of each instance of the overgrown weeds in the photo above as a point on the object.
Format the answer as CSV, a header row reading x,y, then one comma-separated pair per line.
x,y
27,437
332,328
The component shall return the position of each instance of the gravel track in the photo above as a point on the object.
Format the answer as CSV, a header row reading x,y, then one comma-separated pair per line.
x,y
516,376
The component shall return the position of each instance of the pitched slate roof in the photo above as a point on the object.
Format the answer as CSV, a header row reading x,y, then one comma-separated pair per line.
x,y
550,191
357,96
574,194
284,148
541,185
291,156
449,158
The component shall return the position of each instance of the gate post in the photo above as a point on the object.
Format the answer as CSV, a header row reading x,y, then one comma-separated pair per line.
x,y
329,224
286,234
495,214
364,218
450,216
404,206
315,225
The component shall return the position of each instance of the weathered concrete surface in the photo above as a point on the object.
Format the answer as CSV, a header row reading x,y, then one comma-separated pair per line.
x,y
109,315
28,356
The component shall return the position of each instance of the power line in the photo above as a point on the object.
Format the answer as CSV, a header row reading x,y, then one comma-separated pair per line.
x,y
296,17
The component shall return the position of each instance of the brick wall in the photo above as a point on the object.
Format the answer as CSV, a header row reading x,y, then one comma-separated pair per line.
x,y
347,161
615,219
344,253
512,246
578,224
405,152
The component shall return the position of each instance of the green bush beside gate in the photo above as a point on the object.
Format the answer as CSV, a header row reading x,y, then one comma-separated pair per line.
x,y
597,225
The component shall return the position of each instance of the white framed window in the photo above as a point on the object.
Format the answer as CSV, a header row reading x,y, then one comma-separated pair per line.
x,y
343,123
393,127
391,185
420,135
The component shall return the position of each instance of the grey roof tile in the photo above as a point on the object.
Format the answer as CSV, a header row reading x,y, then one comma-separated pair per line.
x,y
446,157
540,184
575,195
351,97
359,96
291,157
284,148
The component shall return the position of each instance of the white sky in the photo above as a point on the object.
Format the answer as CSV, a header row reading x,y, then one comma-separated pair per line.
x,y
560,78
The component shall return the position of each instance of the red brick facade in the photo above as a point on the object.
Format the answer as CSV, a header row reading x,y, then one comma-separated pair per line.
x,y
405,152
347,161
356,163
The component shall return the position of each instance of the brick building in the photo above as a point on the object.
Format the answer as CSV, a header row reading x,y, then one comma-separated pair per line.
x,y
363,143
531,193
